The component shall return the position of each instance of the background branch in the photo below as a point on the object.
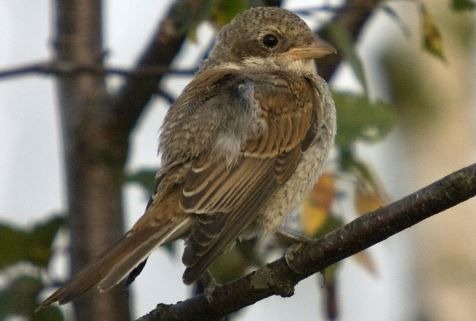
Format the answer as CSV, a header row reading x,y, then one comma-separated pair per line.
x,y
63,68
93,165
280,276
166,42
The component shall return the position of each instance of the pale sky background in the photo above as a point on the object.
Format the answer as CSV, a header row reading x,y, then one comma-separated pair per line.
x,y
31,172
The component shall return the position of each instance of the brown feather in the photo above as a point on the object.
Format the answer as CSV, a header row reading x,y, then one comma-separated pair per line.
x,y
197,258
114,264
230,197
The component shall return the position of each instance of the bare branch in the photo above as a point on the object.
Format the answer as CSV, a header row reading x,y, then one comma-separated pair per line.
x,y
63,68
164,45
280,276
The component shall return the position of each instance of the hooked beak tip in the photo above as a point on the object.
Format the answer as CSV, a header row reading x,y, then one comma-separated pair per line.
x,y
315,49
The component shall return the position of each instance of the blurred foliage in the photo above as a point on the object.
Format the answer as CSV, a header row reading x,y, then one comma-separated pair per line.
x,y
224,10
18,298
28,245
144,177
220,12
31,246
359,119
432,39
347,48
316,208
236,262
462,5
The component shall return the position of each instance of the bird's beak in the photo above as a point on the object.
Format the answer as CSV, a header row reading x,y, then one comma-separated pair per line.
x,y
317,48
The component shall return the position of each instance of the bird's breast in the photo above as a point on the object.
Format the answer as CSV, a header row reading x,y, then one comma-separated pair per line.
x,y
290,194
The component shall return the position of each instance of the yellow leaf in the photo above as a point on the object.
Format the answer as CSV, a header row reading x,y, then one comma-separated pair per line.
x,y
312,217
315,209
369,197
432,40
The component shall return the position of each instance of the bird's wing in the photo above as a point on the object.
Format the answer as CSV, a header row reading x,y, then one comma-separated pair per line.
x,y
226,198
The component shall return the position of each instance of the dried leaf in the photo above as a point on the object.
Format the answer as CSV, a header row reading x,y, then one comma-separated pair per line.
x,y
364,259
315,209
369,192
432,39
369,197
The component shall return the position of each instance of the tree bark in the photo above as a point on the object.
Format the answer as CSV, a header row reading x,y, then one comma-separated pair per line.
x,y
93,158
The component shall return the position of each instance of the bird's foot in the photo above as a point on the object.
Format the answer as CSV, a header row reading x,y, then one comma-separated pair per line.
x,y
292,238
209,285
297,242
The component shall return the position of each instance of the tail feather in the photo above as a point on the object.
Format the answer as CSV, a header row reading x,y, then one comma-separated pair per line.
x,y
116,263
122,270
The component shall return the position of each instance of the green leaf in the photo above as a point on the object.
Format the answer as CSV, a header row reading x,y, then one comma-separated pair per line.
x,y
432,39
41,238
462,5
19,298
145,177
49,313
224,10
359,119
346,47
13,245
234,263
333,222
28,245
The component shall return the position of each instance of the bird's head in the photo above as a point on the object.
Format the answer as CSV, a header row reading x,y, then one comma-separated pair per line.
x,y
267,35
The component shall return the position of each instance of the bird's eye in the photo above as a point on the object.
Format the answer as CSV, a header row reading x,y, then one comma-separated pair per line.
x,y
270,41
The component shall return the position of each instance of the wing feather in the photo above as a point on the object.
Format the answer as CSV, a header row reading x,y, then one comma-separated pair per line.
x,y
227,198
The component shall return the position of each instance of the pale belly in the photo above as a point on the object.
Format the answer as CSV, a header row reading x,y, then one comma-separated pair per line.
x,y
289,196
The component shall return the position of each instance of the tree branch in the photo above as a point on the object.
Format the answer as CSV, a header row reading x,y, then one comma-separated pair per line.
x,y
166,42
94,159
64,68
280,276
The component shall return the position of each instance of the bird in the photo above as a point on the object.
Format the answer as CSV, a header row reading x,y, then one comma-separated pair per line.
x,y
239,148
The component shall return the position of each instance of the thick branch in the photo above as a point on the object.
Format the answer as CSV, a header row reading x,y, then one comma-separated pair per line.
x,y
280,276
164,45
94,160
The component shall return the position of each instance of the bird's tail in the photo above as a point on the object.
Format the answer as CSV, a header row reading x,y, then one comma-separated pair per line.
x,y
116,263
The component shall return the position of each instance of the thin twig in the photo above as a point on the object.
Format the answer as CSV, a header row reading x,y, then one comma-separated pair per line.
x,y
58,68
